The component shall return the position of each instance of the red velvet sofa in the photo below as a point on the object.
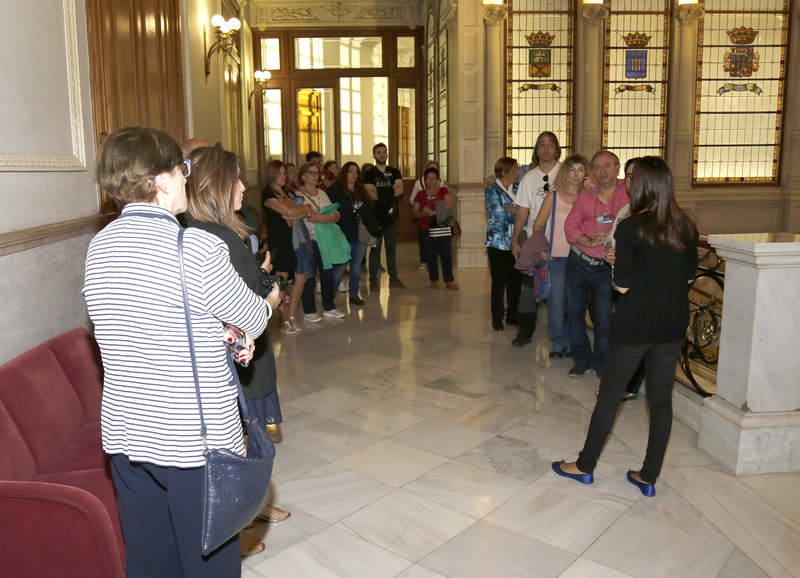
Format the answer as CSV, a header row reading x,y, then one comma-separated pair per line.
x,y
58,510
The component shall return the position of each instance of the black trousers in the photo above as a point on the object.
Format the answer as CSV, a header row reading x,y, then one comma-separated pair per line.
x,y
160,509
505,280
621,363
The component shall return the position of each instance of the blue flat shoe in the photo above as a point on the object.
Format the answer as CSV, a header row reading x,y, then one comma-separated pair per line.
x,y
582,478
648,490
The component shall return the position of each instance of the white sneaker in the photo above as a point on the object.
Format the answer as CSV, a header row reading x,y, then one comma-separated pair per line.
x,y
342,286
313,317
334,314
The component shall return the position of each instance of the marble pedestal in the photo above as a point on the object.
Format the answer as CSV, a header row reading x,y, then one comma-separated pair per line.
x,y
752,425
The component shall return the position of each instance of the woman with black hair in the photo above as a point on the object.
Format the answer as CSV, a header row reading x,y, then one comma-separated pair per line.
x,y
355,207
425,210
656,254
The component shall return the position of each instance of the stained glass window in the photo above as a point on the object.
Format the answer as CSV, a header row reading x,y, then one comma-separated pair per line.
x,y
539,90
740,88
636,77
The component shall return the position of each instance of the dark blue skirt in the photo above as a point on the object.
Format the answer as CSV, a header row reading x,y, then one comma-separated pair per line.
x,y
267,410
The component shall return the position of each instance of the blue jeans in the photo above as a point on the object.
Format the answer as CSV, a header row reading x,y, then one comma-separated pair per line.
x,y
357,252
588,285
329,278
443,248
557,305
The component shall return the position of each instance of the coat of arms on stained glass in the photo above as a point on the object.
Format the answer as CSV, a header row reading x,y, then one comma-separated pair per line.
x,y
540,54
742,60
636,56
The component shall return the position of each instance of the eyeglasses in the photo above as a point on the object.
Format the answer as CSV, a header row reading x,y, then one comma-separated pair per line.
x,y
546,180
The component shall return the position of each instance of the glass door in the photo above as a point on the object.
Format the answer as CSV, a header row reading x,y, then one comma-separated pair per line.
x,y
315,122
363,116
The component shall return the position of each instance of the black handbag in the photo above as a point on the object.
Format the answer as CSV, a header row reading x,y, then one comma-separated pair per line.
x,y
235,487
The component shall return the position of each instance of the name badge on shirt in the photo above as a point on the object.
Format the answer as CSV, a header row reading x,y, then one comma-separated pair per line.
x,y
605,219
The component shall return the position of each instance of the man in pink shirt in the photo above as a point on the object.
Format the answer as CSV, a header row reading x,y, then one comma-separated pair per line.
x,y
588,276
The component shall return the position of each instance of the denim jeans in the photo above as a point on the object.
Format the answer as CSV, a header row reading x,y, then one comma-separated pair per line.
x,y
588,285
443,248
623,360
557,305
388,237
357,252
329,278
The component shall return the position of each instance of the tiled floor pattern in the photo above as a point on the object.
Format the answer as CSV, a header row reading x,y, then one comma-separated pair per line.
x,y
417,443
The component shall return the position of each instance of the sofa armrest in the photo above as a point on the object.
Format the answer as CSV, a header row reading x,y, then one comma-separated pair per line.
x,y
55,530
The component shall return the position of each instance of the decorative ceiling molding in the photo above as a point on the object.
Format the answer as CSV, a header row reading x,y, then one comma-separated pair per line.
x,y
286,13
31,162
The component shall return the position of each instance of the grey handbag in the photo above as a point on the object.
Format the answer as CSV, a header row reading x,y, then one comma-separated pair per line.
x,y
235,487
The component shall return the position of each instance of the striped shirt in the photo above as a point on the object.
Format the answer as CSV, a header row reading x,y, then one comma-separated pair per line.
x,y
133,294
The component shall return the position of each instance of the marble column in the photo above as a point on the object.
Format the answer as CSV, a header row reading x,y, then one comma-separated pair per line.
x,y
494,17
752,425
680,153
589,81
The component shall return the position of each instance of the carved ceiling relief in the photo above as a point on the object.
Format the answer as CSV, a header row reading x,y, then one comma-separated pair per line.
x,y
330,12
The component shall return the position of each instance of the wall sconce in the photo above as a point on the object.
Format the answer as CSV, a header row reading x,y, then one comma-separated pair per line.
x,y
224,30
262,79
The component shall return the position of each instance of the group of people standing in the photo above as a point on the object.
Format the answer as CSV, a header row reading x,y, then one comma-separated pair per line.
x,y
299,213
621,248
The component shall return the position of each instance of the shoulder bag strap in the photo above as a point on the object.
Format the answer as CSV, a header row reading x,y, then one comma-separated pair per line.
x,y
193,355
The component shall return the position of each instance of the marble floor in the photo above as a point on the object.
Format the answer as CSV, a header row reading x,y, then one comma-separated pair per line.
x,y
417,443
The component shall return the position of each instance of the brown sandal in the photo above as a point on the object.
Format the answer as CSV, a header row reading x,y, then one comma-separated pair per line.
x,y
250,546
273,514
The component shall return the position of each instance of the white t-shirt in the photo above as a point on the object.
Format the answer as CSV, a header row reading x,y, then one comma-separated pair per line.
x,y
531,193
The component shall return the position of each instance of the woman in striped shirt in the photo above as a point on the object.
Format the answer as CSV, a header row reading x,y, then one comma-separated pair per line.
x,y
150,419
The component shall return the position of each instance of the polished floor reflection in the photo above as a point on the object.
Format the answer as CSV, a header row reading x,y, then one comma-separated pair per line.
x,y
417,443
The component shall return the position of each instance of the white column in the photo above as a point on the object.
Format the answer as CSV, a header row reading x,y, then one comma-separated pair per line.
x,y
494,65
752,425
589,81
680,152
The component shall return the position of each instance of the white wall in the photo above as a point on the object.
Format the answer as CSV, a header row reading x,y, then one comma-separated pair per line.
x,y
47,136
46,164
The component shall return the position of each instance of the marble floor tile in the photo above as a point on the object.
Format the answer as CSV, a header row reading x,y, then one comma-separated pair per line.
x,y
487,416
511,457
328,403
330,440
551,432
392,462
740,566
406,525
582,568
295,419
555,518
764,534
472,389
331,492
398,413
465,488
441,437
366,362
419,572
778,490
433,397
485,550
648,549
333,553
290,463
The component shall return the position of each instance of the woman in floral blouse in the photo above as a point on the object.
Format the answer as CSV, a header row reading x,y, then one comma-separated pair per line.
x,y
501,212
